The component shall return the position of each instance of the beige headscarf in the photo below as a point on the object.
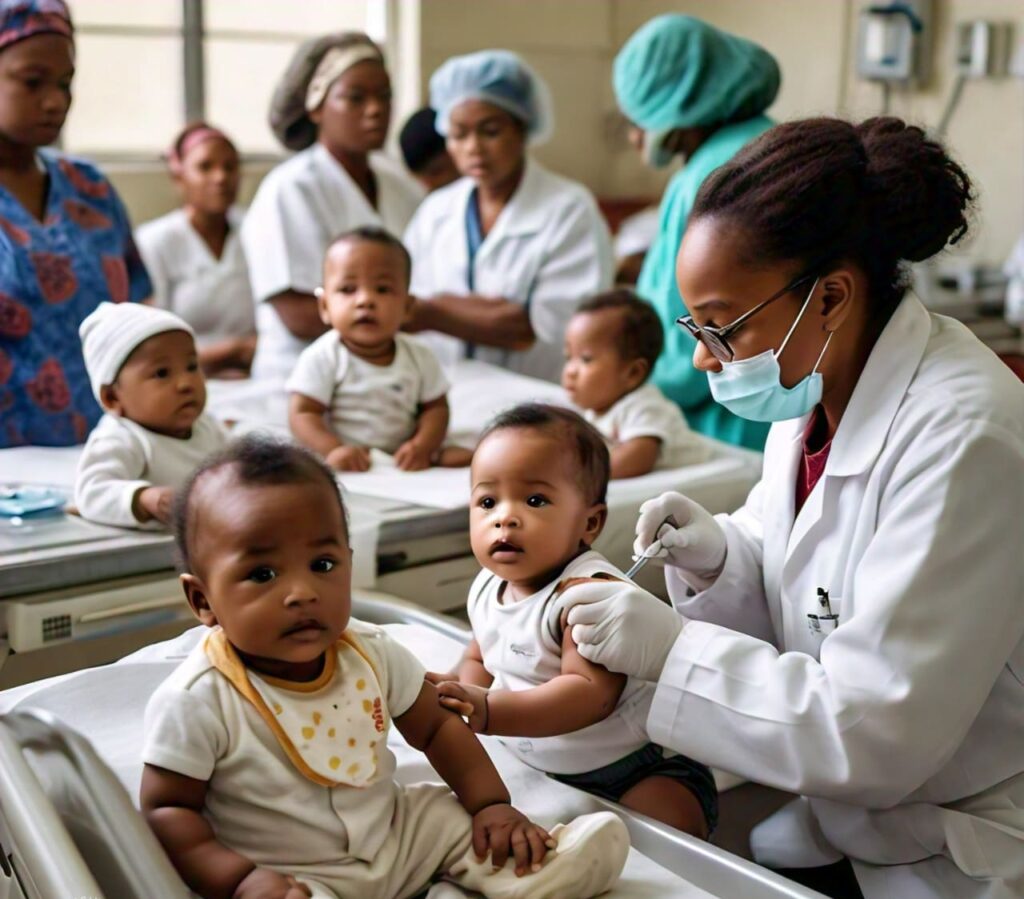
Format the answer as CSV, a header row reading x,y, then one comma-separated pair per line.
x,y
306,82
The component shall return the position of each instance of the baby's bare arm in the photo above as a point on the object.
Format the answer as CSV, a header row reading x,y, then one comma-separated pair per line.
x,y
635,457
432,424
172,805
308,425
453,750
583,694
469,670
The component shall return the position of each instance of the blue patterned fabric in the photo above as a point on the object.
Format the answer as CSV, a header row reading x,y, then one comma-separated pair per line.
x,y
53,273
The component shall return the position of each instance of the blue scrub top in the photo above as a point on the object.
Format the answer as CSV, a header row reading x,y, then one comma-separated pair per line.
x,y
53,273
674,373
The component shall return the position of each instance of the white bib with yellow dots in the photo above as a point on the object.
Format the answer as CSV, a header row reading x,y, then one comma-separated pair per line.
x,y
332,728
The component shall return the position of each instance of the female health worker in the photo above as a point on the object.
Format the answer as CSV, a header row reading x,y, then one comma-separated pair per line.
x,y
333,104
194,254
854,633
65,238
502,256
693,91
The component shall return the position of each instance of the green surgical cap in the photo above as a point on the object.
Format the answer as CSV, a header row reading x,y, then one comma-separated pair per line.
x,y
680,72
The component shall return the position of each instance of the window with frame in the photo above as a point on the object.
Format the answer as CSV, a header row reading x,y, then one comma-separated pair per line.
x,y
144,68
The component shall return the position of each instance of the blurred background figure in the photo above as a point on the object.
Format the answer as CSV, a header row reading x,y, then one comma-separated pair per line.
x,y
424,151
194,254
694,92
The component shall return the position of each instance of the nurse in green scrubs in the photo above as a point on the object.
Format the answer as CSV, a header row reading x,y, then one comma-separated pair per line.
x,y
693,91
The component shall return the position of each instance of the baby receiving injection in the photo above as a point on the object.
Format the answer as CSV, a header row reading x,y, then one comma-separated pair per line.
x,y
611,345
144,370
364,385
267,771
539,477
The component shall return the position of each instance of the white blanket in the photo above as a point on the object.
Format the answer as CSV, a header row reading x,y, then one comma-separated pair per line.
x,y
106,705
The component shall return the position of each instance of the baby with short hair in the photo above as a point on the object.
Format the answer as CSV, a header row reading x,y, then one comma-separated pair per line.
x,y
539,478
364,385
267,770
611,345
144,370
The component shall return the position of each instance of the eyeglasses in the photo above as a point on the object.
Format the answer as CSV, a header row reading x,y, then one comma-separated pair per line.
x,y
716,339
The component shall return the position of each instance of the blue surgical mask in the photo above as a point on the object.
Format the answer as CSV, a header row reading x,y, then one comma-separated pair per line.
x,y
752,388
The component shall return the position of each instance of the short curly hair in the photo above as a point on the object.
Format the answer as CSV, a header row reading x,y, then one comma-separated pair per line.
x,y
254,459
593,462
640,334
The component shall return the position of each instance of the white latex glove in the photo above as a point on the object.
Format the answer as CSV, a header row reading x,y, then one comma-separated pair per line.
x,y
622,627
697,544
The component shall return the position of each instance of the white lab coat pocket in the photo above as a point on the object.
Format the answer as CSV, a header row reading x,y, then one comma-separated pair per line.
x,y
823,621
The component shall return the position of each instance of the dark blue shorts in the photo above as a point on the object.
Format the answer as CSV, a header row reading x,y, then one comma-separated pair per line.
x,y
612,781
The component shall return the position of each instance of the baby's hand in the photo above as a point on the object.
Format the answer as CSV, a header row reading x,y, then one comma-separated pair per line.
x,y
437,678
467,700
503,831
154,502
262,883
349,458
410,456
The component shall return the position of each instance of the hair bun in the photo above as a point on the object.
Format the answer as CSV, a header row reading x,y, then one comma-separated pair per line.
x,y
919,197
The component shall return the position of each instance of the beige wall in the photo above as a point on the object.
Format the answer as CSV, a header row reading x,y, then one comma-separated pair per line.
x,y
572,44
987,129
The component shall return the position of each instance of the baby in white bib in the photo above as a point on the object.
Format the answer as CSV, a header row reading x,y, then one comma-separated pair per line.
x,y
267,770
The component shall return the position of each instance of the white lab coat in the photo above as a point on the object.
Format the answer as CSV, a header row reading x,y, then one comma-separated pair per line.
x,y
212,294
549,249
904,726
300,207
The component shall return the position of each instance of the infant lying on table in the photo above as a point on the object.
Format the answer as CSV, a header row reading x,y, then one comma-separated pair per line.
x,y
267,771
144,369
364,385
539,478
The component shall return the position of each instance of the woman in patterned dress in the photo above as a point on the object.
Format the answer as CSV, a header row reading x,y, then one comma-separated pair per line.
x,y
65,238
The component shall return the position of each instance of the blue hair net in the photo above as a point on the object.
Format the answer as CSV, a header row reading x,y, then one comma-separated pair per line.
x,y
494,76
680,72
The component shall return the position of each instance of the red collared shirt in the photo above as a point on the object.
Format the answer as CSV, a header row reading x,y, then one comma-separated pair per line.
x,y
816,445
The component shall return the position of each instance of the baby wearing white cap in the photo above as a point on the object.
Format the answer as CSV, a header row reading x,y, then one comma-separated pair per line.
x,y
144,371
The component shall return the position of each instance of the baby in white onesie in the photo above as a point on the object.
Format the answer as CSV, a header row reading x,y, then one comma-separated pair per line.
x,y
144,370
539,479
267,768
364,385
611,345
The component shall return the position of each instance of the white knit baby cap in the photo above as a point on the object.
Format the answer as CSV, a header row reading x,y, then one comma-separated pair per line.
x,y
113,330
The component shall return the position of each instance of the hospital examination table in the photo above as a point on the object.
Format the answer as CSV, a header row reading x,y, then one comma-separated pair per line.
x,y
73,593
70,771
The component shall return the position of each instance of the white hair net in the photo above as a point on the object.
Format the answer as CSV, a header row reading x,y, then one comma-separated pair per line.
x,y
494,76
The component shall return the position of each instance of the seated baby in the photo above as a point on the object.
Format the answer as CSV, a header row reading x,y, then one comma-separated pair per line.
x,y
611,345
267,771
364,385
538,504
144,370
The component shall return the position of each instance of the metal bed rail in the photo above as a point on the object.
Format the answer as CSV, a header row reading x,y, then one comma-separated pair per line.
x,y
72,828
383,608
